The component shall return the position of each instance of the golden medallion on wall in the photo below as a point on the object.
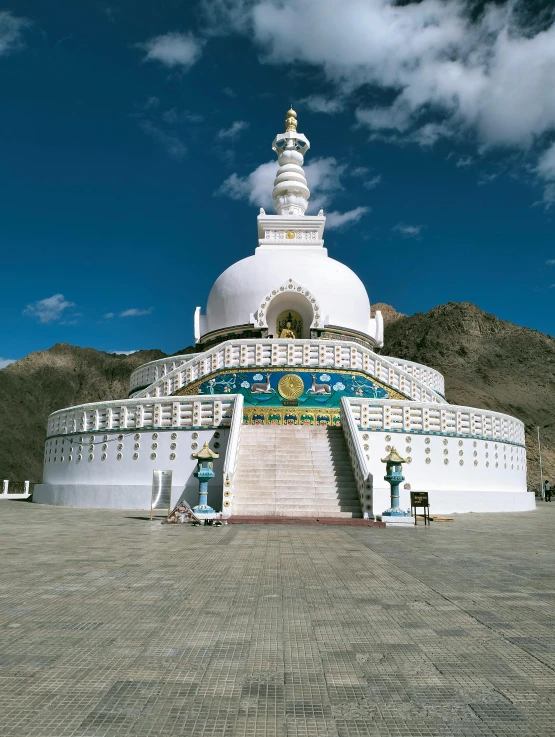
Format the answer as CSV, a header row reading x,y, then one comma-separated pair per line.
x,y
290,386
290,235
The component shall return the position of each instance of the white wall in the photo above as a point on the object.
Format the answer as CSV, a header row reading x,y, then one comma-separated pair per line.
x,y
107,480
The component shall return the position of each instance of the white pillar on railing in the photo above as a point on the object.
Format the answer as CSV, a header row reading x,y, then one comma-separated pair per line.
x,y
5,486
27,487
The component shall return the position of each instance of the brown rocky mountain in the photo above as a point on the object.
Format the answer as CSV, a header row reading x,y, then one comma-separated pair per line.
x,y
45,381
487,363
389,313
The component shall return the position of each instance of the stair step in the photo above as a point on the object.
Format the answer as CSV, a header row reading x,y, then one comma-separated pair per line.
x,y
294,471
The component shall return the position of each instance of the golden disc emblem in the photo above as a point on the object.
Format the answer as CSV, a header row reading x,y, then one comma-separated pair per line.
x,y
290,386
290,234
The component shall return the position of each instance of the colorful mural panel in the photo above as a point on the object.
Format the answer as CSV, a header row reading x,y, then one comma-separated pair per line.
x,y
294,396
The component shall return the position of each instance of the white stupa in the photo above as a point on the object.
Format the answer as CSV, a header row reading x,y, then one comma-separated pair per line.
x,y
287,387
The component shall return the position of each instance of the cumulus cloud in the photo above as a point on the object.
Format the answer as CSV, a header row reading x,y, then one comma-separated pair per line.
x,y
11,32
323,176
339,219
50,309
234,129
408,231
173,50
136,312
446,71
6,362
550,262
109,315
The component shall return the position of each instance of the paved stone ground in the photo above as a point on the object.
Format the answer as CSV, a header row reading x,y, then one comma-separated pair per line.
x,y
113,626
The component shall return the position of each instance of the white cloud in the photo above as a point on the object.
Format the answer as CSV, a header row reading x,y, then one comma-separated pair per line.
x,y
6,362
321,104
408,231
550,262
229,92
174,146
136,312
464,161
546,163
11,32
338,219
109,315
124,353
372,183
50,309
323,176
448,72
173,50
234,130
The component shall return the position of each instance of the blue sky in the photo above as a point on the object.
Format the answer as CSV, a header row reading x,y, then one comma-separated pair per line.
x,y
136,141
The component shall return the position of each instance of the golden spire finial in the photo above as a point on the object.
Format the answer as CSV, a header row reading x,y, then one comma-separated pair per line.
x,y
290,120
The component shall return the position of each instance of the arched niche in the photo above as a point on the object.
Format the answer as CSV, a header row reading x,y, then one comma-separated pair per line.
x,y
294,301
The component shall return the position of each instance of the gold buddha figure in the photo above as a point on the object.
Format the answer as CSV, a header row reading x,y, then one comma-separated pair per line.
x,y
287,331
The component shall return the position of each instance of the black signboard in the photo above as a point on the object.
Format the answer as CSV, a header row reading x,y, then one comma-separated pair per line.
x,y
420,499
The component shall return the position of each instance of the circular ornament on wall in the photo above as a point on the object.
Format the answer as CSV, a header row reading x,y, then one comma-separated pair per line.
x,y
216,445
461,463
105,437
475,463
135,456
152,456
428,450
408,439
216,435
445,442
365,436
428,460
446,461
119,456
174,436
388,437
103,457
120,437
194,446
154,446
137,436
194,435
91,457
427,441
173,446
388,448
155,436
137,446
172,456
290,386
120,446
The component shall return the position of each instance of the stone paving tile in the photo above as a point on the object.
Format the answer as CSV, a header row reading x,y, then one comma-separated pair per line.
x,y
114,626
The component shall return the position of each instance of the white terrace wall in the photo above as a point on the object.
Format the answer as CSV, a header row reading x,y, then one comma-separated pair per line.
x,y
306,353
468,460
103,454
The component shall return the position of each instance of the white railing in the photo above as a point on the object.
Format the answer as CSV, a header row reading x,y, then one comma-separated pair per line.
x,y
249,354
22,489
406,416
130,414
359,462
150,372
231,456
425,374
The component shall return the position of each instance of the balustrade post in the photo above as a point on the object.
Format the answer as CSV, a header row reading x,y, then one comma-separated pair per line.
x,y
5,486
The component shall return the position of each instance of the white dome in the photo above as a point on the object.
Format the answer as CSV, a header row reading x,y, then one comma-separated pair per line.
x,y
239,292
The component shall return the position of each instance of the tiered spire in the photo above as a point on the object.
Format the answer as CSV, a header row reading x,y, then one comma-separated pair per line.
x,y
291,193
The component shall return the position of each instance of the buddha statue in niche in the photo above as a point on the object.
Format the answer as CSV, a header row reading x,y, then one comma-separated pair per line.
x,y
287,332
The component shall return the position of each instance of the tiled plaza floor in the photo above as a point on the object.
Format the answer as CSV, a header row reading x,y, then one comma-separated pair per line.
x,y
113,626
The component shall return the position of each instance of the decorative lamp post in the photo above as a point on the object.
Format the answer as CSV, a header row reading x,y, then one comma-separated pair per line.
x,y
394,475
204,472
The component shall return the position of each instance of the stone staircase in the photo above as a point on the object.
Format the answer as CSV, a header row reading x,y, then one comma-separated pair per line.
x,y
294,471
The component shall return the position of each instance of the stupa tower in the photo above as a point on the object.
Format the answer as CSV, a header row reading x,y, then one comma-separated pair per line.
x,y
291,192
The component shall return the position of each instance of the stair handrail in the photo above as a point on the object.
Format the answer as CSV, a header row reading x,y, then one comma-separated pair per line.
x,y
359,462
231,455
